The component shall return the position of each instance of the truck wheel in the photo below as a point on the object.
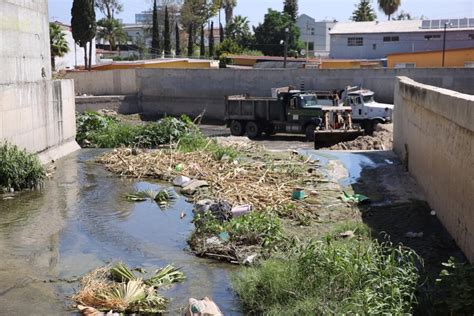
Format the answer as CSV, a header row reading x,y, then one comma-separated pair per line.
x,y
252,129
237,128
309,132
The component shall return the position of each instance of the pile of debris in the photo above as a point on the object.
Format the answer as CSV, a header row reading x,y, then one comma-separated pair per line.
x,y
254,181
382,139
239,143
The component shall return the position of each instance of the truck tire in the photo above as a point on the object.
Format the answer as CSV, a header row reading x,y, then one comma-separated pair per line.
x,y
237,128
252,129
309,132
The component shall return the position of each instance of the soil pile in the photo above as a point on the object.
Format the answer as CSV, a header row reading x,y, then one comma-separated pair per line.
x,y
382,139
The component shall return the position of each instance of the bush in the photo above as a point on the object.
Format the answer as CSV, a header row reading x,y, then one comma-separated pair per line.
x,y
19,169
107,132
332,277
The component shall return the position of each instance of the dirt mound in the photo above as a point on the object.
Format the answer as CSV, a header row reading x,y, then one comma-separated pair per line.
x,y
382,139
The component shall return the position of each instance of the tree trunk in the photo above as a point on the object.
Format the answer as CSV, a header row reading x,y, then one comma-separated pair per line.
x,y
90,54
229,14
85,56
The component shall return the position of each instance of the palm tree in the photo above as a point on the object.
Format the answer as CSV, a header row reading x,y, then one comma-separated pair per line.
x,y
389,7
229,6
58,43
363,12
111,30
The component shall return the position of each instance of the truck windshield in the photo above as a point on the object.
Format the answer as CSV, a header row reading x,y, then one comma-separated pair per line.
x,y
309,101
368,98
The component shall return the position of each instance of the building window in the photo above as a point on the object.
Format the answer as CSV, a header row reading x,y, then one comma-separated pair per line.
x,y
355,41
432,37
310,45
391,39
405,65
374,46
471,36
469,64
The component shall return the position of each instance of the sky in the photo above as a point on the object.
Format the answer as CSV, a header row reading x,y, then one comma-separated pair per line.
x,y
59,10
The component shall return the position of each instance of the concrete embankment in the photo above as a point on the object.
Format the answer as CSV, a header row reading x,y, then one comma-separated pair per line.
x,y
434,135
191,91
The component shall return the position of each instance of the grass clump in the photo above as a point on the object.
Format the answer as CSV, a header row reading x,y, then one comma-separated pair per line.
x,y
95,130
332,277
19,169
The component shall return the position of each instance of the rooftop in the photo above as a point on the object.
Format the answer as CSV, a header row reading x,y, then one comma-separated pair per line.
x,y
401,26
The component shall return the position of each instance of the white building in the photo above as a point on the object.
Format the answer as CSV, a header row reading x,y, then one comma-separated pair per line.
x,y
75,56
315,35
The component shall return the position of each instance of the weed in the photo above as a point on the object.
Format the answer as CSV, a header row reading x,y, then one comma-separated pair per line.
x,y
456,287
19,169
332,277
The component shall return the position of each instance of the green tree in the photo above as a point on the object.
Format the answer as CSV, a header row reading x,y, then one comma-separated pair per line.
x,y
83,25
239,31
109,7
270,34
363,12
389,7
202,51
221,33
197,12
211,40
167,34
112,31
190,40
155,32
290,7
404,16
178,40
57,42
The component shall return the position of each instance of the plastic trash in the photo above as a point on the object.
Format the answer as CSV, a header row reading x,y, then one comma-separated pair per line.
x,y
298,194
354,198
224,236
240,210
204,307
179,167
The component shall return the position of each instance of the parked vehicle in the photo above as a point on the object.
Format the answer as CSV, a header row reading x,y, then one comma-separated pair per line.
x,y
304,112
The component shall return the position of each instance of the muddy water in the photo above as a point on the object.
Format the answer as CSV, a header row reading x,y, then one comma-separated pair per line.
x,y
80,221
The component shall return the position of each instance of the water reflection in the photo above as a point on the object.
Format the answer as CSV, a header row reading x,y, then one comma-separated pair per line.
x,y
82,220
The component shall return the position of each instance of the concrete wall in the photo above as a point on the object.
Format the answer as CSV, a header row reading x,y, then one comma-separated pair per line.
x,y
120,103
190,91
35,112
434,134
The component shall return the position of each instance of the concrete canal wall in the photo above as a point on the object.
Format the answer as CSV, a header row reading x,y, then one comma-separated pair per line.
x,y
190,91
434,135
36,113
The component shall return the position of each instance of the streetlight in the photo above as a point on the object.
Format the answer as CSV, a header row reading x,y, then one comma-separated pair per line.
x,y
444,41
287,30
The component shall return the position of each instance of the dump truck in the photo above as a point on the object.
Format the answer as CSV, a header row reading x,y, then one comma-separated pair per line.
x,y
301,112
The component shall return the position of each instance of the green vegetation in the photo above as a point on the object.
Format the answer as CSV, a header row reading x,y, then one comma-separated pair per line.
x,y
83,26
19,169
112,31
255,228
155,32
163,198
334,276
119,289
389,7
195,141
363,12
58,43
95,130
456,288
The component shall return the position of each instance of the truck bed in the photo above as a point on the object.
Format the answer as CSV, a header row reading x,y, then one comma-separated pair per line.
x,y
241,107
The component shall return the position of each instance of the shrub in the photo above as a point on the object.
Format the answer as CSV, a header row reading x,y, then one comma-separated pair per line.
x,y
19,169
332,277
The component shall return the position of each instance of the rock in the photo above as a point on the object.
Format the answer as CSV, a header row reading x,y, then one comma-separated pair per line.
x,y
181,181
192,186
347,234
202,206
250,259
203,307
214,241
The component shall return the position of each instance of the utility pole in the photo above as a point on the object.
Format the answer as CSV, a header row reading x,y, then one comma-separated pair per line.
x,y
287,30
444,41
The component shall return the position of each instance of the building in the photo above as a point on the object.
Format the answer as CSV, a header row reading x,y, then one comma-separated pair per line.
x,y
461,57
376,40
315,35
177,63
146,17
75,56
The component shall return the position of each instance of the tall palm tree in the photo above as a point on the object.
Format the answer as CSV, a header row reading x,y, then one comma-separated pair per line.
x,y
111,30
229,6
389,7
58,43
